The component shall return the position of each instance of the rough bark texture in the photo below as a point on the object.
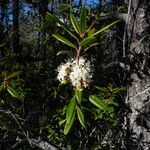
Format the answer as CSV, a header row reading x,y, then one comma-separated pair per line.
x,y
138,46
16,26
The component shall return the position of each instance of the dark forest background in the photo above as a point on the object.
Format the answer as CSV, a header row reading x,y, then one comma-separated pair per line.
x,y
33,102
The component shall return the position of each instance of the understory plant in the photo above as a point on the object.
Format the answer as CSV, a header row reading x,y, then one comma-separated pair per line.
x,y
9,85
78,72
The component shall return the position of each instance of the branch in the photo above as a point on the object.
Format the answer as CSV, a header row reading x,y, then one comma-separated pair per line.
x,y
116,63
142,92
122,16
43,145
125,29
18,144
116,15
32,142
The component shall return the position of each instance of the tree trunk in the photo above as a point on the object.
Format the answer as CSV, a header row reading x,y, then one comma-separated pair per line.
x,y
43,8
138,52
16,26
2,26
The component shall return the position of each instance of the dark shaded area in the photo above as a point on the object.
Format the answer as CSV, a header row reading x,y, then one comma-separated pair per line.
x,y
26,44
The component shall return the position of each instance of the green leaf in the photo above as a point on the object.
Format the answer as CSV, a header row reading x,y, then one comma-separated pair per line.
x,y
75,24
13,92
115,103
55,93
14,74
122,7
1,87
119,90
98,102
111,110
87,41
105,28
78,95
83,20
81,117
103,89
63,25
2,102
91,31
70,109
64,7
64,40
99,115
68,125
61,122
65,52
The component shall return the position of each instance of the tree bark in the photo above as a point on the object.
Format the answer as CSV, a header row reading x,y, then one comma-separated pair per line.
x,y
16,26
2,26
137,39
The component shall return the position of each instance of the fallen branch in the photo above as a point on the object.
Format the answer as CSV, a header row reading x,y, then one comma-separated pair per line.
x,y
43,145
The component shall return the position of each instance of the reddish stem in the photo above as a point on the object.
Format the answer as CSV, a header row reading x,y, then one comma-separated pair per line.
x,y
78,54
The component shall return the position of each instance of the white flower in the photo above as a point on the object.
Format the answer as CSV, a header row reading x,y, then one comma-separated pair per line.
x,y
81,73
63,72
78,72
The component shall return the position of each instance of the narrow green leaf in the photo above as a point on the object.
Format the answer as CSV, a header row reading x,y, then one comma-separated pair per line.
x,y
105,28
81,117
75,24
103,89
64,7
14,74
115,103
1,87
119,90
122,7
13,92
69,125
70,53
64,40
87,41
83,20
63,25
98,102
70,109
50,17
78,95
61,122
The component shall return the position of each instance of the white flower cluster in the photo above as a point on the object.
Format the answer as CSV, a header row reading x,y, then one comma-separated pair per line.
x,y
78,72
